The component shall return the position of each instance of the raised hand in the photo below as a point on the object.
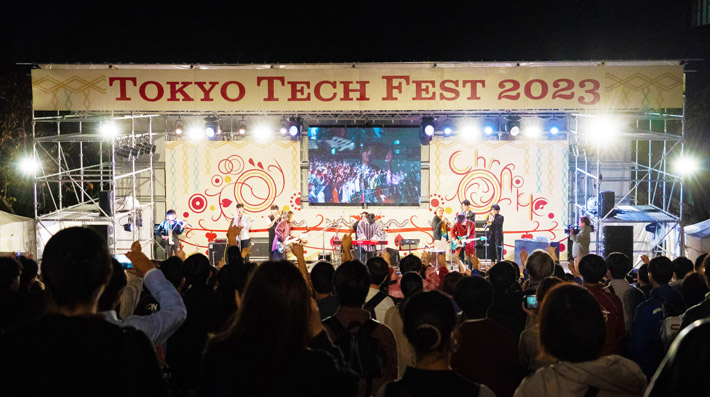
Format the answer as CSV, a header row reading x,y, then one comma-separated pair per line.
x,y
136,246
141,263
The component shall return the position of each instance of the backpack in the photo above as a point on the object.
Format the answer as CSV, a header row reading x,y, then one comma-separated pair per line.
x,y
373,302
672,319
360,349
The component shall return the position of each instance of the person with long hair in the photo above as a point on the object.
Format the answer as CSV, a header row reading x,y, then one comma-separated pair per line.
x,y
429,321
572,333
276,345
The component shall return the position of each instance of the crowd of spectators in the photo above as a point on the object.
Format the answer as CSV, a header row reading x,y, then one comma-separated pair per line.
x,y
81,323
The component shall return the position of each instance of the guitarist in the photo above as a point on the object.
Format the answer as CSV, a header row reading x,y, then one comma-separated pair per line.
x,y
283,232
464,229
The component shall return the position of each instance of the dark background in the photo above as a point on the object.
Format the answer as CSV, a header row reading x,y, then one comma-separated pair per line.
x,y
344,31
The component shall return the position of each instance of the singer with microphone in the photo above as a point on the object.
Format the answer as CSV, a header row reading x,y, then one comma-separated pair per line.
x,y
168,231
494,233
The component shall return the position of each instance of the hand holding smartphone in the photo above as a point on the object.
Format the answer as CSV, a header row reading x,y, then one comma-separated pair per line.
x,y
124,261
530,302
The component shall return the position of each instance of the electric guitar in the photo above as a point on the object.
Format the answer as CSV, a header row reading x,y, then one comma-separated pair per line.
x,y
283,246
461,242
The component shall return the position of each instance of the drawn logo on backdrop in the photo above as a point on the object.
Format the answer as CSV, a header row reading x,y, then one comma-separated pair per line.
x,y
248,182
488,181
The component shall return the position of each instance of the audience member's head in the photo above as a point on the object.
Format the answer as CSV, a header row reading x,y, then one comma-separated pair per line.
x,y
681,267
114,287
379,270
559,271
429,319
592,268
545,286
233,277
643,275
660,270
683,372
572,326
474,295
694,288
29,273
699,262
411,263
173,270
271,325
10,270
502,275
197,270
448,284
351,281
234,255
540,265
411,283
619,265
75,268
322,277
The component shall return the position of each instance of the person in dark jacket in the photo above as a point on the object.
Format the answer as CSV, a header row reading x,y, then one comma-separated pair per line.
x,y
72,351
259,356
494,233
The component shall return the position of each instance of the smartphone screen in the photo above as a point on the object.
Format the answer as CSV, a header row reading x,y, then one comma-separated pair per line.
x,y
124,261
531,301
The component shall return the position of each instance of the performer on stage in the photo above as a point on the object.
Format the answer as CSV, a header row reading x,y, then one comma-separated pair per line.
x,y
242,219
283,233
169,231
464,229
357,222
274,219
468,211
367,229
440,226
494,233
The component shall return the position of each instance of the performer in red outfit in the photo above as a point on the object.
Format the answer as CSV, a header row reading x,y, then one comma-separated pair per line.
x,y
464,229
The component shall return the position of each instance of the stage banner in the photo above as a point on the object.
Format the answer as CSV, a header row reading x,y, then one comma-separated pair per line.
x,y
360,87
528,179
205,181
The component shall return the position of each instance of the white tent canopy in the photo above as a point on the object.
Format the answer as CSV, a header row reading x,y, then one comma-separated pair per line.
x,y
17,233
697,239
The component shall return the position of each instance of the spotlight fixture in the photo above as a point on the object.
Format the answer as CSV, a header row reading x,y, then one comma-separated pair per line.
x,y
109,129
295,124
554,126
242,127
490,126
686,166
179,128
284,127
512,126
211,126
28,165
426,130
448,127
124,152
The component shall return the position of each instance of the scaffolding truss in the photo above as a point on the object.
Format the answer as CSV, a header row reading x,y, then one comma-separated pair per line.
x,y
84,181
634,158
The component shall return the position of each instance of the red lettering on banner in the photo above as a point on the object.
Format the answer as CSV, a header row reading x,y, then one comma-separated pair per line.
x,y
444,86
270,86
420,89
174,90
122,86
391,86
158,95
347,90
240,86
474,87
317,90
298,91
207,97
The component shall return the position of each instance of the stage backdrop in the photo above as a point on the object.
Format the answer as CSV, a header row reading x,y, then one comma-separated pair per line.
x,y
528,179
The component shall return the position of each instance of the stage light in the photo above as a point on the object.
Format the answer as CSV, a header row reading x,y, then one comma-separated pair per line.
x,y
428,126
262,132
109,129
686,166
531,127
554,126
124,152
195,133
448,127
295,124
211,127
512,126
28,165
490,126
179,128
242,127
284,127
603,130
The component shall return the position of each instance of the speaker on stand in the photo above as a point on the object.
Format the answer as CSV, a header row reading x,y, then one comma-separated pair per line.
x,y
619,239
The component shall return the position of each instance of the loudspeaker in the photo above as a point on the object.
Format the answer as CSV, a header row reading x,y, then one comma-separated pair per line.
x,y
216,249
606,203
619,239
259,248
103,231
106,202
